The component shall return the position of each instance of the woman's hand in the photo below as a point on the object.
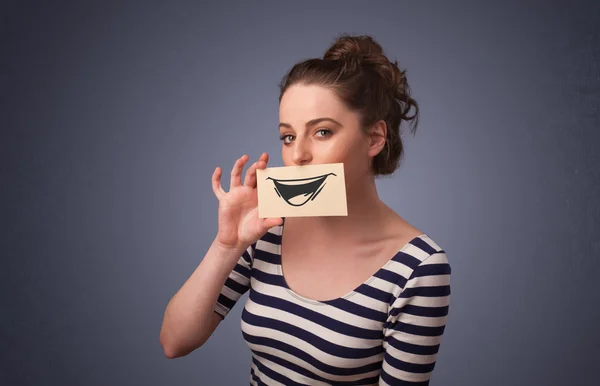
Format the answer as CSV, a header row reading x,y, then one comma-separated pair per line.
x,y
239,225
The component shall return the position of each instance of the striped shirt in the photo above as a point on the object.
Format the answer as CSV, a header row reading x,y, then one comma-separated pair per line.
x,y
387,331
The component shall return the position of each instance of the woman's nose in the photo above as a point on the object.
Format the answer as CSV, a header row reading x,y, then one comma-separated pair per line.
x,y
301,154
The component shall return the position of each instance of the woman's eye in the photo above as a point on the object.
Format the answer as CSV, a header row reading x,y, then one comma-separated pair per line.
x,y
285,137
325,132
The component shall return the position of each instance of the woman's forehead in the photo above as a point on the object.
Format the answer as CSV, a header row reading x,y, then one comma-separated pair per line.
x,y
306,102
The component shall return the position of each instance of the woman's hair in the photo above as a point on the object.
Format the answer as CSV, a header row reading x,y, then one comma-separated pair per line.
x,y
357,71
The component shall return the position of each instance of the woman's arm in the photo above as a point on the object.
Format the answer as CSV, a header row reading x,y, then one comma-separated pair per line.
x,y
189,318
416,323
191,315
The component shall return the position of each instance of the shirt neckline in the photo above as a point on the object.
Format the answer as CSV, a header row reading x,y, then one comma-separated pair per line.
x,y
347,295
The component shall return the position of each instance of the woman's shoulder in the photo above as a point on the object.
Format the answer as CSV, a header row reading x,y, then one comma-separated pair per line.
x,y
430,259
427,244
415,242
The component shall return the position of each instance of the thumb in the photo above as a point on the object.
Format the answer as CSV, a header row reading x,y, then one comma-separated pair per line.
x,y
270,222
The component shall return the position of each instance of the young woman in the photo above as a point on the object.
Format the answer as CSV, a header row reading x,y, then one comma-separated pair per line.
x,y
361,299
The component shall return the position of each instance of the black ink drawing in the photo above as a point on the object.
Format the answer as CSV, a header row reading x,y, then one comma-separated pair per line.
x,y
309,187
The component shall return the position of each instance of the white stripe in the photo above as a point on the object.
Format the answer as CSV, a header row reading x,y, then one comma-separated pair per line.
x,y
266,267
415,252
403,375
365,300
399,268
437,258
231,294
266,246
424,321
430,281
263,377
418,340
384,285
239,277
423,301
221,309
276,230
294,376
410,357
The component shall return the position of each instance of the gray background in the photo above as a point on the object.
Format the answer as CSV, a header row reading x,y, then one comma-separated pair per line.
x,y
114,116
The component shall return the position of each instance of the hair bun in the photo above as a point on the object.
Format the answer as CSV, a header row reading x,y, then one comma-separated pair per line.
x,y
353,48
360,52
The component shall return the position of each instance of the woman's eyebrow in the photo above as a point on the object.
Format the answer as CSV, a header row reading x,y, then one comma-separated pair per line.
x,y
312,122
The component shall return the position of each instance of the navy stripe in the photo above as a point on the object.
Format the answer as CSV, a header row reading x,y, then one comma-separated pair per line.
x,y
242,270
323,320
416,368
234,285
256,379
406,259
434,312
247,258
271,238
432,270
398,382
430,292
269,278
415,330
374,293
357,309
391,277
412,348
421,244
225,301
315,340
269,257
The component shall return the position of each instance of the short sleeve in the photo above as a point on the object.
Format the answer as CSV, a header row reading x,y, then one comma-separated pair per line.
x,y
236,284
415,324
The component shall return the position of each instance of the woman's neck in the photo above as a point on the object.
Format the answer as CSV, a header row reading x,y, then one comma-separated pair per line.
x,y
365,214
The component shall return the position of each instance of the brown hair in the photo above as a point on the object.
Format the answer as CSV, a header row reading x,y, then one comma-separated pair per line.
x,y
357,71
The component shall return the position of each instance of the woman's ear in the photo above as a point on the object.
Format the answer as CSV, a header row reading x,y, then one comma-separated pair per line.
x,y
377,137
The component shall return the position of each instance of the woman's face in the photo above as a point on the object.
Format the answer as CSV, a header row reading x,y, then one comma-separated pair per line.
x,y
316,128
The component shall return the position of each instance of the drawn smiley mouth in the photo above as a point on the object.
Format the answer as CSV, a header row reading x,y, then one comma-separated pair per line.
x,y
297,192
